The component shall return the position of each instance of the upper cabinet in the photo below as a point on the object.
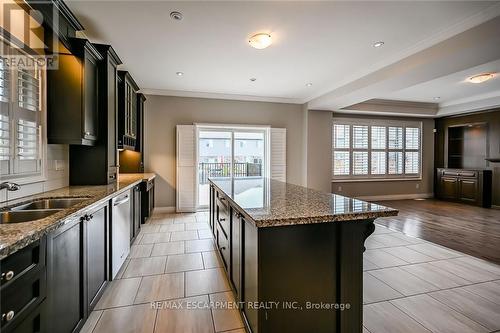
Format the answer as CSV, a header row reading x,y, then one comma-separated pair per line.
x,y
127,111
73,96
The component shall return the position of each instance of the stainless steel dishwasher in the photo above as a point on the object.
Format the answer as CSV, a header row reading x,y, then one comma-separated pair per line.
x,y
120,231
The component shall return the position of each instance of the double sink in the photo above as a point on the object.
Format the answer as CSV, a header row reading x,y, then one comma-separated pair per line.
x,y
37,209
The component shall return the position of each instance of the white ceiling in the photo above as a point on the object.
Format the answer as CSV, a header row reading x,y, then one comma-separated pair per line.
x,y
326,43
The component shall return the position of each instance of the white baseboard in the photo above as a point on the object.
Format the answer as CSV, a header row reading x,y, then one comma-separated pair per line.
x,y
396,197
170,209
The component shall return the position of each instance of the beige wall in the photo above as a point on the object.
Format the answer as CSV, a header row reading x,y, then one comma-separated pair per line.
x,y
408,187
163,113
319,150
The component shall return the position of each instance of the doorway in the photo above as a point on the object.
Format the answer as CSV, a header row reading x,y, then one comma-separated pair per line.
x,y
225,152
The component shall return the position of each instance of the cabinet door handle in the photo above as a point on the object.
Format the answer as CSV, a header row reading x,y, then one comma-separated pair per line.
x,y
8,316
8,276
222,219
222,248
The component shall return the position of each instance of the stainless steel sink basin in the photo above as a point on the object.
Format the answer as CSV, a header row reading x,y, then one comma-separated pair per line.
x,y
56,203
25,216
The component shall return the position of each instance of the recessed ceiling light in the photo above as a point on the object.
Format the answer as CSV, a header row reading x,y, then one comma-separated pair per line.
x,y
480,78
260,41
378,44
176,16
253,79
437,98
309,84
179,73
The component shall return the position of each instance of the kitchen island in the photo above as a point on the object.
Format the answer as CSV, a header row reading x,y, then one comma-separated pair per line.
x,y
293,255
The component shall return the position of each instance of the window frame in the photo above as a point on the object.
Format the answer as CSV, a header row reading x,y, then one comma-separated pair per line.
x,y
15,112
386,123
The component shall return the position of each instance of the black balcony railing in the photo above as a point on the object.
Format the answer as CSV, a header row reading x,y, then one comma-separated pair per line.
x,y
206,170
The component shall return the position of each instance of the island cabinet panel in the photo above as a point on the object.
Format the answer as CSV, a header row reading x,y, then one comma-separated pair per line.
x,y
294,274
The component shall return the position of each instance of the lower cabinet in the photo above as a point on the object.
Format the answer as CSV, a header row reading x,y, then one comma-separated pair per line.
x,y
147,199
77,269
464,185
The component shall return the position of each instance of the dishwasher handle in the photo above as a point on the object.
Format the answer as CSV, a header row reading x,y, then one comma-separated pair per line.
x,y
121,201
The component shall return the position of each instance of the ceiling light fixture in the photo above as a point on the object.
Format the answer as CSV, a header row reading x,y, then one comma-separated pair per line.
x,y
480,78
260,41
437,98
179,73
176,16
253,79
309,84
378,44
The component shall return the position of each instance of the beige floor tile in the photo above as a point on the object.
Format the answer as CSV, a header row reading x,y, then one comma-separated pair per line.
x,y
140,251
91,322
403,282
184,235
380,229
211,260
469,273
438,277
119,293
172,227
434,251
205,234
182,319
389,240
185,219
240,330
375,290
365,330
471,305
409,239
160,287
150,228
409,255
478,263
383,259
206,281
200,245
488,290
164,249
145,266
368,265
436,316
161,220
386,318
184,262
197,226
161,237
227,316
119,275
371,244
129,319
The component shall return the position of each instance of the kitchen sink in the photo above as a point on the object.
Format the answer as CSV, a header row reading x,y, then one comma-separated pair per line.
x,y
56,203
25,216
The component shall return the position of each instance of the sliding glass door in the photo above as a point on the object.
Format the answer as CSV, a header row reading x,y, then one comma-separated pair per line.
x,y
225,152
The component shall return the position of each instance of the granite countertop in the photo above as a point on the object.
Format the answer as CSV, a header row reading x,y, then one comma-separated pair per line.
x,y
271,203
14,236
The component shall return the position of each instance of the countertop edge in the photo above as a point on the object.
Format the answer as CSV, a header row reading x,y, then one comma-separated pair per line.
x,y
35,235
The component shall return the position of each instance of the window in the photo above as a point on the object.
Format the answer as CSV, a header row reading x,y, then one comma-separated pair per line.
x,y
21,115
376,149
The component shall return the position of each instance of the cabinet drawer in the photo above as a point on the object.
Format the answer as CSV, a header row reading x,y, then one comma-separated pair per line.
x,y
223,246
34,322
468,174
30,258
21,297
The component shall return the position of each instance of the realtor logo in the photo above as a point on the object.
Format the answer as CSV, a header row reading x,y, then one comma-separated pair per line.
x,y
23,41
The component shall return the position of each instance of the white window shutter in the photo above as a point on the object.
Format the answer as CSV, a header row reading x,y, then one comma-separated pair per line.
x,y
186,169
278,154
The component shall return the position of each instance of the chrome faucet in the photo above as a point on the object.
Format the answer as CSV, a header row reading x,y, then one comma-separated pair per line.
x,y
10,186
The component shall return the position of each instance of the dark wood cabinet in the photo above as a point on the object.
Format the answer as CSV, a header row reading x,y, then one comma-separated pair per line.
x,y
97,254
467,186
147,199
135,224
127,111
72,96
66,278
101,158
237,222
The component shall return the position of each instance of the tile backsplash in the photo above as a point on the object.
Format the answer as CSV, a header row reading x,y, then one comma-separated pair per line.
x,y
57,175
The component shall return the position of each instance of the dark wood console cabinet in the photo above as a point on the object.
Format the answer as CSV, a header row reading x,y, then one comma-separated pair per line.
x,y
465,185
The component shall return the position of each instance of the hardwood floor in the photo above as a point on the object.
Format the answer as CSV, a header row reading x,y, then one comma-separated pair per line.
x,y
468,229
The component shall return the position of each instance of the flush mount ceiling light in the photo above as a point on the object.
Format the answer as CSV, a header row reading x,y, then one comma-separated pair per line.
x,y
480,78
309,84
177,16
378,44
253,79
437,98
179,73
260,41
